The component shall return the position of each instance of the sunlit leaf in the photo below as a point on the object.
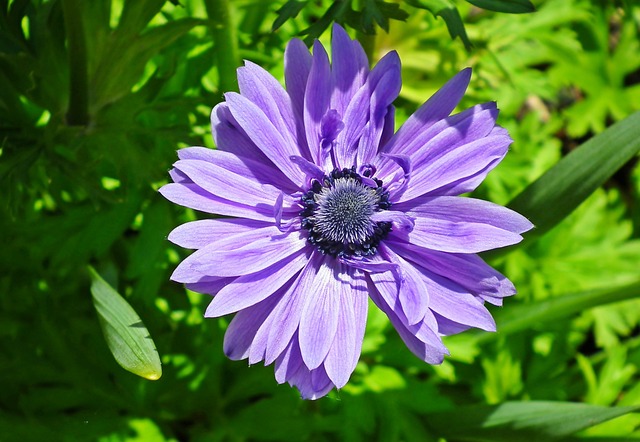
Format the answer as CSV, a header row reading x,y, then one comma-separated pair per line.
x,y
562,188
509,6
288,11
524,316
127,337
449,13
536,421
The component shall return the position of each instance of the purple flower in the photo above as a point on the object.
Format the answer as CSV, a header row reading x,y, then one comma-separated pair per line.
x,y
325,207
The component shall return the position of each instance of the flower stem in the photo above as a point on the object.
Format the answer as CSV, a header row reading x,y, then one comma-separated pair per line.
x,y
78,111
224,35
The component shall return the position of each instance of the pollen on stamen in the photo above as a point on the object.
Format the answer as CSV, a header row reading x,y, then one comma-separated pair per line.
x,y
337,213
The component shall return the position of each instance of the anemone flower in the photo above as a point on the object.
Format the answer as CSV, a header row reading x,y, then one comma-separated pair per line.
x,y
321,206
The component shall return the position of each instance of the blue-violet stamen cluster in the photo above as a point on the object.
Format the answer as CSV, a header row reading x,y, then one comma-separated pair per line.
x,y
337,213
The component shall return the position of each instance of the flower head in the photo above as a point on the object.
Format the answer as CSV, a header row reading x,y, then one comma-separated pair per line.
x,y
324,206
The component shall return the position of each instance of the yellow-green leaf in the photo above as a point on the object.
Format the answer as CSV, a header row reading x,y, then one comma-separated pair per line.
x,y
127,337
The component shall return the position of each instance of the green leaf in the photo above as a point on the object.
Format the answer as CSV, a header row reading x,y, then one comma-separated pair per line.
x,y
565,186
135,15
335,12
521,317
508,6
519,421
126,335
376,11
289,10
274,418
449,13
123,60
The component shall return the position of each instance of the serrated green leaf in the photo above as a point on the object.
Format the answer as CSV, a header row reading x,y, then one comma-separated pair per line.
x,y
508,6
127,337
376,11
565,186
536,421
289,10
449,13
334,13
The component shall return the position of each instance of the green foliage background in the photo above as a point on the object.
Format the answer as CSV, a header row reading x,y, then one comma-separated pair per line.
x,y
96,96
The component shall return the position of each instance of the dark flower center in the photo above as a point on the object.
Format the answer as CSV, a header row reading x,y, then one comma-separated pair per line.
x,y
337,213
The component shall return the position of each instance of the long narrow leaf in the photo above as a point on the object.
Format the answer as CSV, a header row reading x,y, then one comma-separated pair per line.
x,y
561,189
535,421
508,6
521,317
126,335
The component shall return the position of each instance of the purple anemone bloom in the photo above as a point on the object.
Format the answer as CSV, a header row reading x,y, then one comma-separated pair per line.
x,y
323,206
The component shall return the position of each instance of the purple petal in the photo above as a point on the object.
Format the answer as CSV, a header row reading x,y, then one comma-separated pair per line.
x,y
227,184
454,303
402,223
466,210
242,330
288,312
289,361
319,321
458,165
408,296
230,137
250,289
263,133
195,197
309,168
447,327
209,285
397,184
469,271
472,124
459,237
312,384
360,296
389,128
197,153
384,95
316,100
185,272
201,233
179,177
339,361
249,259
421,340
261,88
439,106
261,171
349,68
443,136
297,65
330,126
369,106
260,340
465,184
491,300
277,331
